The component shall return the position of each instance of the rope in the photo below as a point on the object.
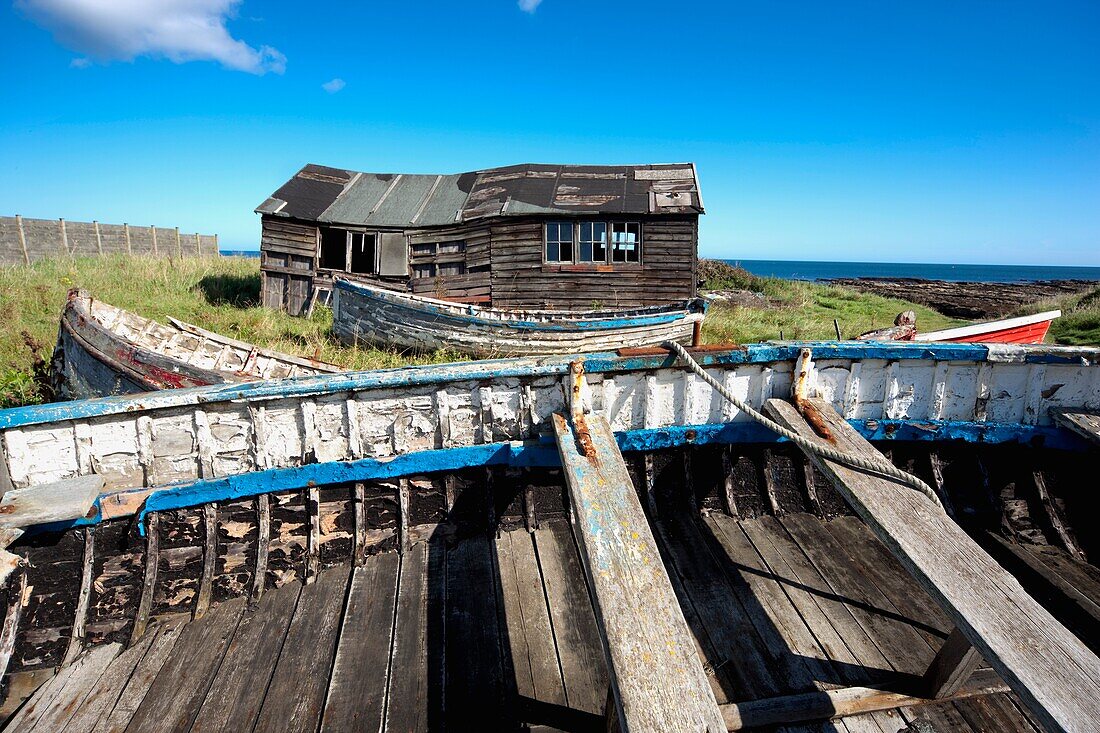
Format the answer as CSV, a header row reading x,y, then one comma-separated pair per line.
x,y
880,467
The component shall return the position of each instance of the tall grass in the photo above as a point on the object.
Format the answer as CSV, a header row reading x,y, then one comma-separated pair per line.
x,y
1080,321
221,294
802,310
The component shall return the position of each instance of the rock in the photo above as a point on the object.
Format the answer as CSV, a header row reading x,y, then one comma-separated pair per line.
x,y
966,300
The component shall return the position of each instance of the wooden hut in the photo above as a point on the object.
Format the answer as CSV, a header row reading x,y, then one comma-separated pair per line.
x,y
524,236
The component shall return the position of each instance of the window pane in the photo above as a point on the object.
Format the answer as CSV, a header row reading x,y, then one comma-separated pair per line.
x,y
599,230
566,251
586,251
599,251
552,251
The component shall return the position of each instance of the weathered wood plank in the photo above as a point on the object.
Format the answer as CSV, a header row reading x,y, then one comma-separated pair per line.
x,y
86,671
527,621
59,501
149,583
263,545
416,688
108,688
475,693
80,616
209,558
1085,424
162,640
952,666
1052,671
177,693
296,693
231,703
357,691
843,702
656,675
580,651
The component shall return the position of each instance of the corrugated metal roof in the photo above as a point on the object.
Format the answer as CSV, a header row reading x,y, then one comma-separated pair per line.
x,y
339,196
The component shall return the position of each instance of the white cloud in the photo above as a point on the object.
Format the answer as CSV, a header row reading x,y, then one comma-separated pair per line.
x,y
178,30
334,86
81,62
528,6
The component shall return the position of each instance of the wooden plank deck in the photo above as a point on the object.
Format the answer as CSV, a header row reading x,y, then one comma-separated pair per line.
x,y
426,640
1053,671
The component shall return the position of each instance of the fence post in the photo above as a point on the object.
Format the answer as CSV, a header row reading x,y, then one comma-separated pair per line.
x,y
129,247
179,246
22,239
217,251
64,237
98,239
198,244
154,228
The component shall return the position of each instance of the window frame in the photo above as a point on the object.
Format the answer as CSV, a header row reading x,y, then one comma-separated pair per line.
x,y
546,242
609,258
348,231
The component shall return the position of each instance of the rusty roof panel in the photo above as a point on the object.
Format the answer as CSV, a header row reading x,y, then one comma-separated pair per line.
x,y
390,200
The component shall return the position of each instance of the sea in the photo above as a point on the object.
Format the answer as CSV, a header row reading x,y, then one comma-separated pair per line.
x,y
810,270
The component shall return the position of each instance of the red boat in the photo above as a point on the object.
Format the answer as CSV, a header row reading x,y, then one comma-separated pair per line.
x,y
1022,330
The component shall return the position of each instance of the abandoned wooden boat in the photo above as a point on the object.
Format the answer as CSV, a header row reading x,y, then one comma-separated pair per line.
x,y
392,550
103,350
365,313
1030,329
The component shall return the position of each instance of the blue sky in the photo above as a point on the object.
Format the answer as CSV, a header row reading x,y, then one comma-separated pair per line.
x,y
916,132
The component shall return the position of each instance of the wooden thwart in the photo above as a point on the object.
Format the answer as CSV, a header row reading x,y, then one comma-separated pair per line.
x,y
1086,424
657,680
845,701
60,501
1055,675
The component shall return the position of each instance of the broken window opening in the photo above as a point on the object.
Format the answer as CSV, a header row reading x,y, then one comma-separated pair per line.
x,y
334,249
362,249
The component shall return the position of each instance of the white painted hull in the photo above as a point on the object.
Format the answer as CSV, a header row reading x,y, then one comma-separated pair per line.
x,y
103,350
181,435
363,314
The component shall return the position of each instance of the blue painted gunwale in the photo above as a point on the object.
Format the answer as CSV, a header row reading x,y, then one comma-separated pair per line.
x,y
490,369
580,326
543,453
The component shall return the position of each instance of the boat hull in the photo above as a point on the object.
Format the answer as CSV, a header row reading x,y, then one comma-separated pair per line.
x,y
1020,330
364,314
103,351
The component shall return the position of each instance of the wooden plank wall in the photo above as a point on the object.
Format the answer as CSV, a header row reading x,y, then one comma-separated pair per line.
x,y
504,267
472,287
23,241
288,251
521,280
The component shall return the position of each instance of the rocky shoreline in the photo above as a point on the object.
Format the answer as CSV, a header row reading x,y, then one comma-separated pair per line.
x,y
966,300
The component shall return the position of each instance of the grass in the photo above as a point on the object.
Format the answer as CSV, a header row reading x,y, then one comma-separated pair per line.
x,y
1080,321
220,294
801,310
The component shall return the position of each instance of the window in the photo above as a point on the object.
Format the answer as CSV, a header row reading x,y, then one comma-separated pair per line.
x,y
449,248
345,251
452,268
423,271
626,242
592,246
423,249
559,241
361,247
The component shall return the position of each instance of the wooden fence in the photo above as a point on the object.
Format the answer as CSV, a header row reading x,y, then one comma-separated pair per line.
x,y
23,241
